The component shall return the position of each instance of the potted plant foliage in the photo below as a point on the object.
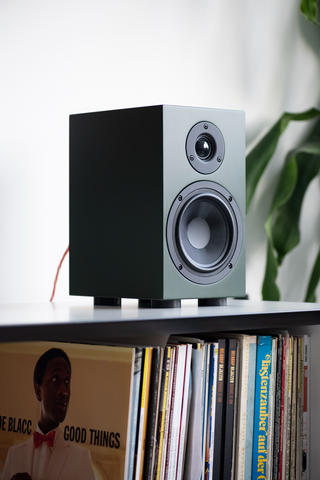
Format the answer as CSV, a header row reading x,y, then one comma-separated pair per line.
x,y
300,167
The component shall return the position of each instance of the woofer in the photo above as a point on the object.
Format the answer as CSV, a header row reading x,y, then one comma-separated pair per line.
x,y
204,232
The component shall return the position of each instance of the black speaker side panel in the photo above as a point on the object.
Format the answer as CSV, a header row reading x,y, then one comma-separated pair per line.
x,y
116,203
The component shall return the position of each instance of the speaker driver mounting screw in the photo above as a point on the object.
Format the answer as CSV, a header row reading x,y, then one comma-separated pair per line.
x,y
219,159
230,199
230,265
180,198
180,267
205,126
191,158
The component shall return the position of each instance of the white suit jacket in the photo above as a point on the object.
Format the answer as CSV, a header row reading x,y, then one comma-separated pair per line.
x,y
68,461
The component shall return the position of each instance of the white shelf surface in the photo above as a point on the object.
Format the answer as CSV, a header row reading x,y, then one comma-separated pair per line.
x,y
81,321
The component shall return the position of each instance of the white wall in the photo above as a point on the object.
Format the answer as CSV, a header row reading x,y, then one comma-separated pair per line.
x,y
70,56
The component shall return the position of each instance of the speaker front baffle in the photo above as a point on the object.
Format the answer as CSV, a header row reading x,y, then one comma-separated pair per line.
x,y
157,205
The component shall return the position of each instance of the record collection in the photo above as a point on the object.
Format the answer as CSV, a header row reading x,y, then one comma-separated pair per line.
x,y
233,407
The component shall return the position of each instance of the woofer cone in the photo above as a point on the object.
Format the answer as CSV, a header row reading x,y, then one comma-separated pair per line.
x,y
204,232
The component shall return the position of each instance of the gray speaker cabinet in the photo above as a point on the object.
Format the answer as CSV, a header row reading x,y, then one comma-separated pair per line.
x,y
157,204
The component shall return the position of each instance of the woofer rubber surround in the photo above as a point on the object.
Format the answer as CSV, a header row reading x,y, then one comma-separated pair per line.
x,y
214,207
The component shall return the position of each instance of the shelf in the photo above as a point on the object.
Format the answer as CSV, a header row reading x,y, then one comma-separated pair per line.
x,y
130,325
79,321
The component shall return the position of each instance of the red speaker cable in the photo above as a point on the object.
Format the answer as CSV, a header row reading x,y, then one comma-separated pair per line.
x,y
57,274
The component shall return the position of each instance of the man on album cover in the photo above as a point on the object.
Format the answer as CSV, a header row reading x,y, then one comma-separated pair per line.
x,y
47,455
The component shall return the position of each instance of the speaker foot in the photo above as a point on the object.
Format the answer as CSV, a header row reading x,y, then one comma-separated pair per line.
x,y
165,303
144,303
107,302
212,302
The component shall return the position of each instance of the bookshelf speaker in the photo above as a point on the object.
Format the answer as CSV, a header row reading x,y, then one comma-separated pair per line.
x,y
157,204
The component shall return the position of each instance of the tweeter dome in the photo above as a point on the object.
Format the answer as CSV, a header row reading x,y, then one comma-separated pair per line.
x,y
157,203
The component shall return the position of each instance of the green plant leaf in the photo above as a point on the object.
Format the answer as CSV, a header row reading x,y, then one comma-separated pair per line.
x,y
260,155
314,280
270,290
282,225
286,185
285,230
310,10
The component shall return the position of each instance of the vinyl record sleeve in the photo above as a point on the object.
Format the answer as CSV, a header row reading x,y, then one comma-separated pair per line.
x,y
99,408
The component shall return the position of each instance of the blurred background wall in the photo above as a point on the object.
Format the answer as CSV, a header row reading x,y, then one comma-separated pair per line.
x,y
64,57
